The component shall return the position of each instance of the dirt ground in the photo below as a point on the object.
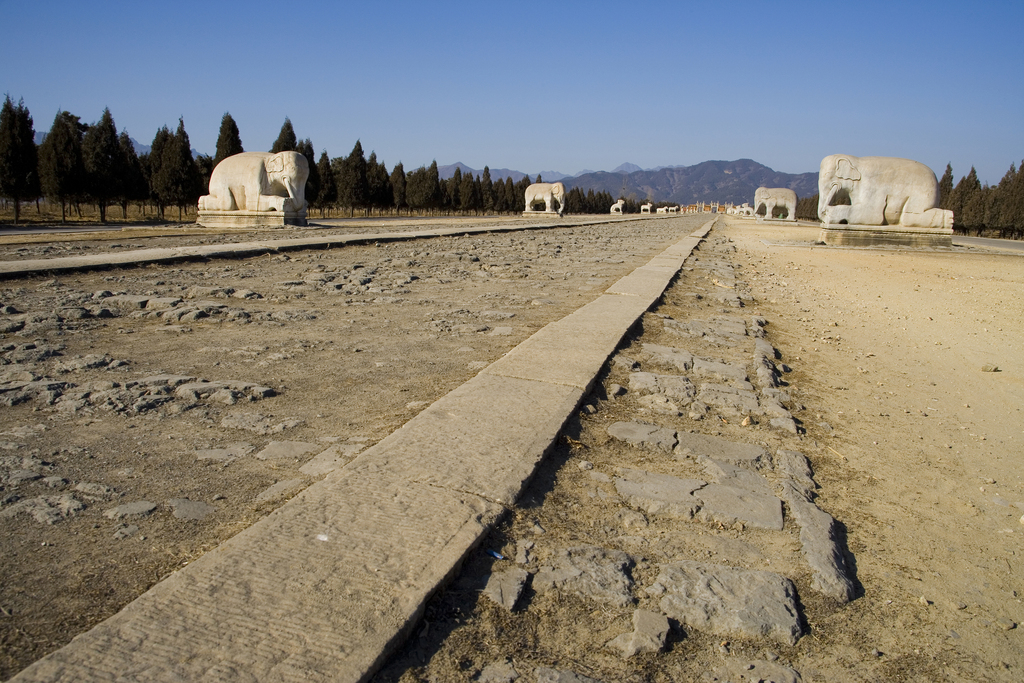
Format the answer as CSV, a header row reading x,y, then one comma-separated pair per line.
x,y
913,441
332,348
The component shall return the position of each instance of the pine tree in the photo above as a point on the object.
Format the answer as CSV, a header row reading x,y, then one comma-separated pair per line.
x,y
305,148
487,191
19,159
945,187
1013,207
181,181
433,185
453,186
398,187
133,182
539,179
378,183
158,181
520,194
328,188
973,202
966,202
60,160
510,195
101,155
467,193
353,189
500,206
228,140
286,140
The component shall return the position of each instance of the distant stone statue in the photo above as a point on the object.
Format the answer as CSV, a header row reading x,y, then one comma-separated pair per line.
x,y
617,206
772,197
880,191
548,193
256,188
646,208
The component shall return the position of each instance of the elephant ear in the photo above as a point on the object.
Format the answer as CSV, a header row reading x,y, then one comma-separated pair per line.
x,y
275,164
846,170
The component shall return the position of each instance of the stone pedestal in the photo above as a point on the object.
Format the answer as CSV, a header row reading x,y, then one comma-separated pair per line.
x,y
251,219
541,214
884,235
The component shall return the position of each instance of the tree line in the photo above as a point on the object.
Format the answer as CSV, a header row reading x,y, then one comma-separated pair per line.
x,y
79,163
995,210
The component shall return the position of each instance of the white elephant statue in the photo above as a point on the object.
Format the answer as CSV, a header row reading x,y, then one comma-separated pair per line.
x,y
548,193
880,191
646,208
258,181
772,197
617,206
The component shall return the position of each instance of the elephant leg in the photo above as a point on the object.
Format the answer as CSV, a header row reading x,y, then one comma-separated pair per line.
x,y
838,214
219,199
932,218
271,203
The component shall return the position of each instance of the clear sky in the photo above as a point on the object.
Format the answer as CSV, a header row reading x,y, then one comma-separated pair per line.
x,y
532,86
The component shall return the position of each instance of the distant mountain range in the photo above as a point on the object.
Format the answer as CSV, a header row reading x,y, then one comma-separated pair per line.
x,y
709,181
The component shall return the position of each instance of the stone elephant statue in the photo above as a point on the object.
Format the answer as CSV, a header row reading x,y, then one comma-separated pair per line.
x,y
258,181
547,193
880,191
772,197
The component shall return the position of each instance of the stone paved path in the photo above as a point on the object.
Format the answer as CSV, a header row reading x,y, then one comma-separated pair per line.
x,y
329,584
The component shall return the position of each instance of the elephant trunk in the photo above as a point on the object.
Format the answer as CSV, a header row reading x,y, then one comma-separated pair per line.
x,y
825,200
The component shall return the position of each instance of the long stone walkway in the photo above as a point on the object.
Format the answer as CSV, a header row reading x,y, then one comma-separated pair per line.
x,y
328,585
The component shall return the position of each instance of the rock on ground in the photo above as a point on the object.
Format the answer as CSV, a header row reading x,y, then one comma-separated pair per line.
x,y
725,600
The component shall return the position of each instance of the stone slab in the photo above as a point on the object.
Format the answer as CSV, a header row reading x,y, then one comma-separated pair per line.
x,y
658,494
647,282
644,435
571,351
286,450
485,437
726,601
590,572
504,588
649,632
331,459
319,590
819,537
746,455
676,387
680,359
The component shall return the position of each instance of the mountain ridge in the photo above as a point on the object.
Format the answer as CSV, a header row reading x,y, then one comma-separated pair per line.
x,y
709,181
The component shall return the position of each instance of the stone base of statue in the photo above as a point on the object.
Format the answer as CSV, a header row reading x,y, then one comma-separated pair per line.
x,y
251,219
541,214
884,235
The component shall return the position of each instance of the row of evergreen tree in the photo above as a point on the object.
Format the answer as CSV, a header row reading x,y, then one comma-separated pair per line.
x,y
985,209
78,163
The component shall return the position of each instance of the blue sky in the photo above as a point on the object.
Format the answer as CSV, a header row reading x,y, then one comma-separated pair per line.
x,y
534,86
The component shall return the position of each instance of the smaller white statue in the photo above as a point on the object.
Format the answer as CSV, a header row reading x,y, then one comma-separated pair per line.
x,y
646,208
773,197
617,206
548,193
